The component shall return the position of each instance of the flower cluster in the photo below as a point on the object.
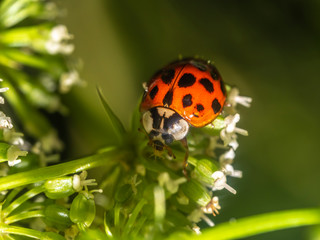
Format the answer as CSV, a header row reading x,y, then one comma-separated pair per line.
x,y
33,66
11,142
212,167
33,73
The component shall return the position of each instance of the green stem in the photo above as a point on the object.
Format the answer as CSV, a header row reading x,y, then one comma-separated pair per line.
x,y
108,157
25,215
6,229
254,225
137,227
133,216
11,196
25,59
20,200
117,219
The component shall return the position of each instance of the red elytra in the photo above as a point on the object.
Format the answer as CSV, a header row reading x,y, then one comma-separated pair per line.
x,y
191,87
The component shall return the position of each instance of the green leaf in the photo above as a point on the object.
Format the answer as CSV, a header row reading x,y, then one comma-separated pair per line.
x,y
113,121
254,225
108,157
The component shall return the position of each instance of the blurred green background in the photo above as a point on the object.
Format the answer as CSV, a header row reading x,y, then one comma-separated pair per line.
x,y
269,49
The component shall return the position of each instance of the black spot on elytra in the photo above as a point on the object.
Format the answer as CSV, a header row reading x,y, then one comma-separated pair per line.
x,y
186,80
153,92
187,100
201,66
156,118
200,107
223,88
216,106
167,76
214,74
167,100
207,84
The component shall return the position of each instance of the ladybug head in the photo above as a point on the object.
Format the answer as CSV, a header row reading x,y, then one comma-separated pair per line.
x,y
163,125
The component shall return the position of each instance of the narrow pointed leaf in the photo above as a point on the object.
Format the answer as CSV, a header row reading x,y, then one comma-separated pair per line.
x,y
112,120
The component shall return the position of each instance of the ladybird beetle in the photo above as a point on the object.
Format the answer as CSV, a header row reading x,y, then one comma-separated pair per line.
x,y
187,92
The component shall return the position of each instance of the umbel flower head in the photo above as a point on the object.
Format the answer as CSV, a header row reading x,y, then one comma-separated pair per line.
x,y
149,193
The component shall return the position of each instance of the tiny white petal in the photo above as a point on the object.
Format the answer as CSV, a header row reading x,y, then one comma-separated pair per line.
x,y
59,41
234,98
220,182
14,162
229,170
3,193
60,33
218,175
18,141
76,183
234,144
4,89
229,155
67,49
241,131
196,229
69,79
13,153
245,101
228,134
212,207
52,47
237,174
5,122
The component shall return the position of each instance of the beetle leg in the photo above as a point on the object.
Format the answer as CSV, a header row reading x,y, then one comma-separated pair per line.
x,y
170,151
185,162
